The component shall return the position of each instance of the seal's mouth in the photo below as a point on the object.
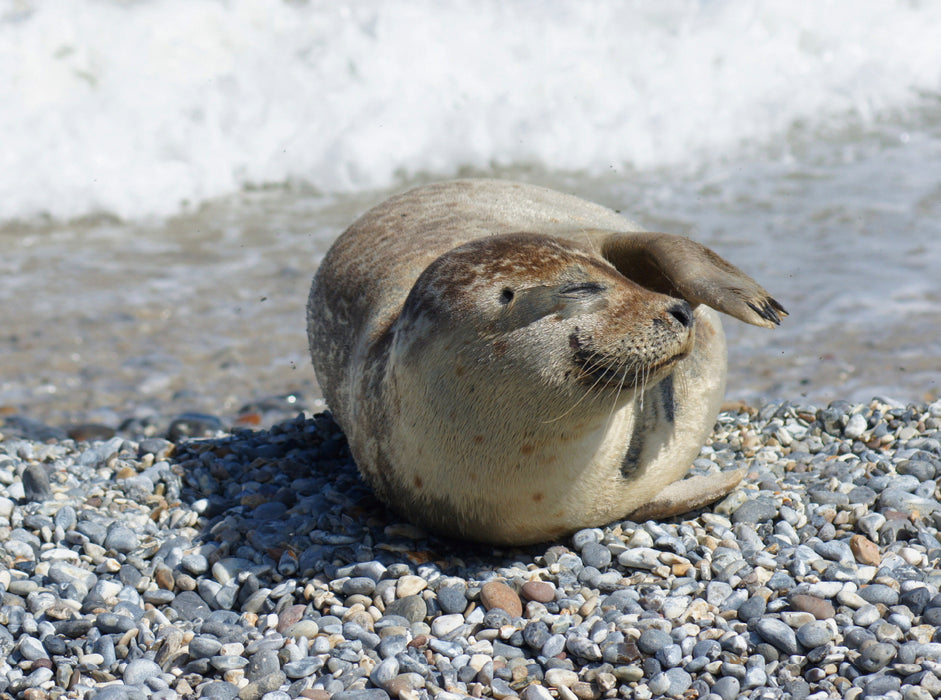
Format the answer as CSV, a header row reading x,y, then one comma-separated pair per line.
x,y
600,370
619,374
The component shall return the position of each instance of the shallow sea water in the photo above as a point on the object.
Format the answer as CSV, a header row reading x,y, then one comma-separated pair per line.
x,y
205,311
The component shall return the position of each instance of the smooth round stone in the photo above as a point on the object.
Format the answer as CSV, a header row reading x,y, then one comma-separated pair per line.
x,y
726,687
755,678
756,510
875,657
262,663
445,624
304,667
195,564
536,634
916,599
534,691
105,647
596,555
752,608
36,484
778,634
879,593
256,689
672,683
582,538
653,640
410,585
112,623
814,634
580,647
554,646
121,539
32,649
496,594
670,656
452,599
818,607
384,672
855,426
412,608
190,606
139,670
228,663
835,550
392,645
866,615
709,648
203,647
560,677
881,685
361,585
539,591
65,518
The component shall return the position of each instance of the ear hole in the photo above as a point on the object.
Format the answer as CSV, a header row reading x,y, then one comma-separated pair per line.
x,y
506,296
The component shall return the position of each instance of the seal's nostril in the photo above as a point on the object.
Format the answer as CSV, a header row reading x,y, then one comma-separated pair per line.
x,y
682,312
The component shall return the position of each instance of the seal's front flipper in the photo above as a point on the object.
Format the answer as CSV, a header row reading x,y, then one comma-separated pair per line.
x,y
682,268
688,494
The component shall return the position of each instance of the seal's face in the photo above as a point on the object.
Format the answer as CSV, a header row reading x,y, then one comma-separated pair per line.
x,y
536,306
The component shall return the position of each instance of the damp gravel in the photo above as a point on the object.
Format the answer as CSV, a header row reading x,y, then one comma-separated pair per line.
x,y
189,559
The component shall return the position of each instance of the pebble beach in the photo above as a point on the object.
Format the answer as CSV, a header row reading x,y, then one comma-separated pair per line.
x,y
189,558
179,516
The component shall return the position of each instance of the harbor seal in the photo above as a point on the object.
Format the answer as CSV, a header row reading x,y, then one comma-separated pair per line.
x,y
511,364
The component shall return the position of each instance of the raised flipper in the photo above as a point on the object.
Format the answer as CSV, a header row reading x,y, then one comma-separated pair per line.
x,y
682,268
688,494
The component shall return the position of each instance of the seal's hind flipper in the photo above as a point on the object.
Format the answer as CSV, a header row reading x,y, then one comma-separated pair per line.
x,y
688,494
682,268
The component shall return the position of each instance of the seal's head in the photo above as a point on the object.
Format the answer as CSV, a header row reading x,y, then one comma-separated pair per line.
x,y
562,323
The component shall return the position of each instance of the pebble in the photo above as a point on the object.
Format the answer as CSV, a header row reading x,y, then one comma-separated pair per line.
x,y
814,634
778,634
496,594
249,563
539,591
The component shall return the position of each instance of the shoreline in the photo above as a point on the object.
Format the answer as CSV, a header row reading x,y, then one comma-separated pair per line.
x,y
257,561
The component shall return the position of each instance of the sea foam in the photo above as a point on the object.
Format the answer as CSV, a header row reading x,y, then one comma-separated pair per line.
x,y
137,108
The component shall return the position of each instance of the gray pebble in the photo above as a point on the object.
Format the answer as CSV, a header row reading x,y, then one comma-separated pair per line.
x,y
452,598
875,657
752,608
726,687
412,608
879,593
653,640
139,670
814,634
758,510
596,555
384,672
777,633
261,664
304,667
120,539
36,484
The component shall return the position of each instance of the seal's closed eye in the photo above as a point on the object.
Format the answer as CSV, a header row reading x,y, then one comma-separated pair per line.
x,y
577,290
